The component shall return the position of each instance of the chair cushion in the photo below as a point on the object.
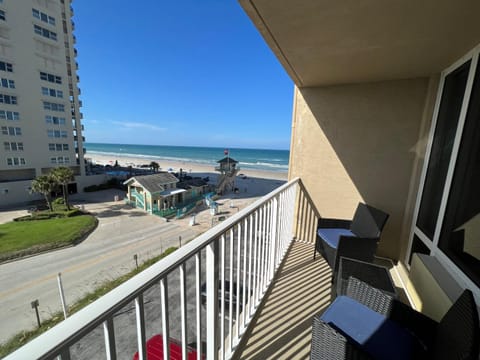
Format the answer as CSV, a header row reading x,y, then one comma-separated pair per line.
x,y
332,236
369,330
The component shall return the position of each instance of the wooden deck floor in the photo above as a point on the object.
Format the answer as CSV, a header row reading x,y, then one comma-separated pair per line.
x,y
301,290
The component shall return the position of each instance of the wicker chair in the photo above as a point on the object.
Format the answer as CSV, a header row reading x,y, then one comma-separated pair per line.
x,y
357,238
398,332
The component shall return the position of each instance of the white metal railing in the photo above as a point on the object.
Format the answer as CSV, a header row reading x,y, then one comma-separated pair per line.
x,y
237,259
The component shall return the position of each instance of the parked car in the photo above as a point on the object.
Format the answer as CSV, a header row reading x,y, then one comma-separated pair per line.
x,y
155,349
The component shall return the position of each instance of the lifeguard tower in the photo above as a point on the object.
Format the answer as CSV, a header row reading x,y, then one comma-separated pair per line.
x,y
228,171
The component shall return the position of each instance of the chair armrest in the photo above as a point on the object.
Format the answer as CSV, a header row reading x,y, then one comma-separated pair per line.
x,y
369,296
420,325
328,344
334,223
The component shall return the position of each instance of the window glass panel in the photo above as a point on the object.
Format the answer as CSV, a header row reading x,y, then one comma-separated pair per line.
x,y
460,236
448,114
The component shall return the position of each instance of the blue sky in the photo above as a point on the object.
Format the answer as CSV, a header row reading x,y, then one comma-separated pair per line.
x,y
185,72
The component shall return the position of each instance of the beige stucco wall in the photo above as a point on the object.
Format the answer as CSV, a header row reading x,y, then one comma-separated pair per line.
x,y
363,142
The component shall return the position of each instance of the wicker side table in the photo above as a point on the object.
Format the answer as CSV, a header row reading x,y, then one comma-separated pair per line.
x,y
374,275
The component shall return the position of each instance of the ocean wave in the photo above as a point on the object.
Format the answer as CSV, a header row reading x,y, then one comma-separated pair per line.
x,y
263,164
259,165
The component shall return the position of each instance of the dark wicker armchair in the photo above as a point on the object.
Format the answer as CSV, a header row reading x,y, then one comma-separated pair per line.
x,y
357,238
393,330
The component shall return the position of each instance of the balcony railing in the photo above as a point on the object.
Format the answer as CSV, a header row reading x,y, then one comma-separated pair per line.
x,y
207,292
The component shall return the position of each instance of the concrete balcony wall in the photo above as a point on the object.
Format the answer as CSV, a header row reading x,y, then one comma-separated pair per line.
x,y
364,142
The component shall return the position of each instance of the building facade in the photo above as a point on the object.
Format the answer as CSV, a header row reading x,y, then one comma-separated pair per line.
x,y
40,118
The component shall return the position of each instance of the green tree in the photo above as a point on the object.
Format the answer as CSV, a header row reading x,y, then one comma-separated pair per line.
x,y
62,176
154,166
44,185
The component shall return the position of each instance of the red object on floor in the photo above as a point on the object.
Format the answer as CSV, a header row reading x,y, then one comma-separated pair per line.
x,y
155,350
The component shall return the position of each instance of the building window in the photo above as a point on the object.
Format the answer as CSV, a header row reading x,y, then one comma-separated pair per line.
x,y
11,130
56,133
7,83
52,92
53,106
49,119
8,99
4,66
2,15
13,146
9,115
45,32
58,147
43,17
60,160
15,161
50,78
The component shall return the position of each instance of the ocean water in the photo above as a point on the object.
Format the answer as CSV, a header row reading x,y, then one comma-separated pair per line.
x,y
260,159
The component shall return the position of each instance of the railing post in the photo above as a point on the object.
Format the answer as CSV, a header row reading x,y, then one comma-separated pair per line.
x,y
212,299
109,332
140,317
274,232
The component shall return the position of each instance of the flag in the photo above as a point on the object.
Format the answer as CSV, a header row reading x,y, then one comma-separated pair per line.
x,y
225,151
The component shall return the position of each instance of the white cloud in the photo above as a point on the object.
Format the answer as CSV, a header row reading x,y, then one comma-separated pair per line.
x,y
138,125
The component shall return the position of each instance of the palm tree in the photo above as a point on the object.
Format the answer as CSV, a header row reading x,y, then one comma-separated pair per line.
x,y
154,166
44,184
62,176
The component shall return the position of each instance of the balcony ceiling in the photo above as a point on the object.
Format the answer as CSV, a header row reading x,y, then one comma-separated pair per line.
x,y
322,42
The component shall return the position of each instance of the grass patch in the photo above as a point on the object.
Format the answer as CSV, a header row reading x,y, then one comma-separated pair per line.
x,y
29,237
24,337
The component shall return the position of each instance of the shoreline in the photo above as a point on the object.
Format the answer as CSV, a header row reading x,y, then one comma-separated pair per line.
x,y
188,167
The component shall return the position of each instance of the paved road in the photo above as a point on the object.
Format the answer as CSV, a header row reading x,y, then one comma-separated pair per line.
x,y
105,254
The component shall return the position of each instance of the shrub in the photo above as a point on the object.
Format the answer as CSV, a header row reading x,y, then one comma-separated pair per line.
x,y
73,212
23,218
58,201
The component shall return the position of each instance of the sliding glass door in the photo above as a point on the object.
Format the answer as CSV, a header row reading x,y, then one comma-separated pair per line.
x,y
447,214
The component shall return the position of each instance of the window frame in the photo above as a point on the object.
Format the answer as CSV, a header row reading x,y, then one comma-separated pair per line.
x,y
433,243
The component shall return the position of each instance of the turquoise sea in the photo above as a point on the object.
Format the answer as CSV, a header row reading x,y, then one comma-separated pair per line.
x,y
260,159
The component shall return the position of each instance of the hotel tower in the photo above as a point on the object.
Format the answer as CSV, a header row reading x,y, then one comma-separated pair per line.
x,y
40,118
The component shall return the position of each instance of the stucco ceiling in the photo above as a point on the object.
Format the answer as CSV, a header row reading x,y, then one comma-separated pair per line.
x,y
323,42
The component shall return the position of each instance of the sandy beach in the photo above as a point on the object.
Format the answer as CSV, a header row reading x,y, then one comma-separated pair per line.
x,y
189,167
252,186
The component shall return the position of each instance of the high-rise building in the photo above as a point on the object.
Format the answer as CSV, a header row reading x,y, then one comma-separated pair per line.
x,y
40,118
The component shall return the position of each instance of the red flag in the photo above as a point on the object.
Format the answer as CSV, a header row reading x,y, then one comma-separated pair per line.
x,y
225,151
